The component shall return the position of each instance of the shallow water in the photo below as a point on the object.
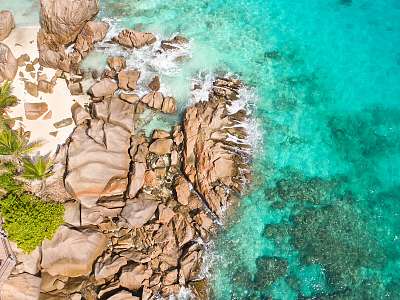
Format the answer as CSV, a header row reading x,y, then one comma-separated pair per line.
x,y
322,218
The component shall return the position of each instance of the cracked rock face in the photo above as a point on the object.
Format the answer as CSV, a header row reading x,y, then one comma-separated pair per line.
x,y
65,22
71,252
144,205
64,19
215,165
98,153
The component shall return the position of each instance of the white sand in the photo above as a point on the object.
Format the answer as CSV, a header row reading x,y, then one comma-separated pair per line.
x,y
23,41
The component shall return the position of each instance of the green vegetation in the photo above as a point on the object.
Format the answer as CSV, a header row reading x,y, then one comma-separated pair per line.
x,y
6,99
37,169
29,220
14,144
8,183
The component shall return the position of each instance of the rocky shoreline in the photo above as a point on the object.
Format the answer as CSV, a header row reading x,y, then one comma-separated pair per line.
x,y
139,209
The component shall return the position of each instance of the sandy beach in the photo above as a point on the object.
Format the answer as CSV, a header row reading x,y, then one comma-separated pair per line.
x,y
22,40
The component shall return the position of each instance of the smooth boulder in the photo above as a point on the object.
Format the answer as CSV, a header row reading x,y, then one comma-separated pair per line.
x,y
7,24
134,39
65,19
72,252
8,64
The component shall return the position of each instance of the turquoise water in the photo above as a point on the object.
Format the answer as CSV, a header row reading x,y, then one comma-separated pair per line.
x,y
322,219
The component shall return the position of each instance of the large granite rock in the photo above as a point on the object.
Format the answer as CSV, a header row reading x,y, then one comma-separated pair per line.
x,y
8,64
91,33
105,87
7,23
132,277
51,53
215,154
123,295
139,210
157,101
65,19
22,287
72,252
26,263
109,267
98,153
134,39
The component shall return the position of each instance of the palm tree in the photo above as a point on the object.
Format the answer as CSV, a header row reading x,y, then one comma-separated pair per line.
x,y
38,169
14,145
6,99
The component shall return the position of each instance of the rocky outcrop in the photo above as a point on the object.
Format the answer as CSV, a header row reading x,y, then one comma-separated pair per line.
x,y
140,210
8,64
22,287
103,88
144,205
157,101
7,24
52,54
174,43
134,39
65,19
215,156
64,23
71,252
127,79
98,154
92,32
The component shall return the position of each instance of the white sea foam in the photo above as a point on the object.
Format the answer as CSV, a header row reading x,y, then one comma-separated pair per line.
x,y
202,84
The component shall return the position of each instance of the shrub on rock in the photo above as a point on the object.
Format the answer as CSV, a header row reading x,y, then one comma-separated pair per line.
x,y
28,220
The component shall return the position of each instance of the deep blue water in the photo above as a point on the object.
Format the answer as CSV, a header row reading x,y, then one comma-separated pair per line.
x,y
321,220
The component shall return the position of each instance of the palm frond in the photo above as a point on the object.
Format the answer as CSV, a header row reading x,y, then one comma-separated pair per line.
x,y
6,99
14,142
37,169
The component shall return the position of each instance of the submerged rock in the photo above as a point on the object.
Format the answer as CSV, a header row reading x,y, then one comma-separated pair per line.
x,y
331,236
154,85
269,269
175,43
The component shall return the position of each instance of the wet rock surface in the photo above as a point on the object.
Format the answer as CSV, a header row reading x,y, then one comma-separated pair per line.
x,y
134,39
215,166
